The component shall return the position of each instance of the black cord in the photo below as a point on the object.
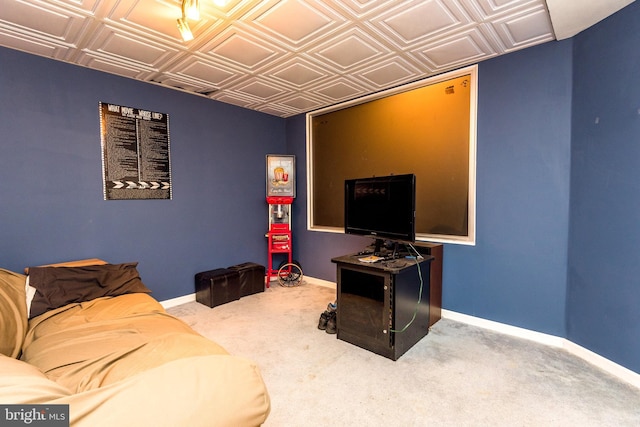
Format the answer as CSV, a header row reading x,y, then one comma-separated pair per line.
x,y
415,312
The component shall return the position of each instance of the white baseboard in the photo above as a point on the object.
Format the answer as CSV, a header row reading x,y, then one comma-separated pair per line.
x,y
192,297
539,337
595,359
603,363
178,301
320,282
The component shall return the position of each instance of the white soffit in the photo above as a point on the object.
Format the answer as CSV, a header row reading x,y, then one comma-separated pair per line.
x,y
569,17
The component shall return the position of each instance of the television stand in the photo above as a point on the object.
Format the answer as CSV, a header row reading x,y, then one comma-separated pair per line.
x,y
377,302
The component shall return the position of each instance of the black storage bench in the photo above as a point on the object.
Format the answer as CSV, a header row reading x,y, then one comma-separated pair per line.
x,y
223,285
217,287
252,277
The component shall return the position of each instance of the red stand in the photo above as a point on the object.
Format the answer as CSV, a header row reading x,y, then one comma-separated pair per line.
x,y
279,234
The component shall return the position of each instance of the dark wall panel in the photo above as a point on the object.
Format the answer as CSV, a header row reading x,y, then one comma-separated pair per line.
x,y
427,129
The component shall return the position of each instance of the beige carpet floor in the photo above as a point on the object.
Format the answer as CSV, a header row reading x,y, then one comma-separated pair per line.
x,y
458,375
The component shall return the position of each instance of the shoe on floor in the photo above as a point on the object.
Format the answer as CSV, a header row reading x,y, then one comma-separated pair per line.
x,y
332,326
324,320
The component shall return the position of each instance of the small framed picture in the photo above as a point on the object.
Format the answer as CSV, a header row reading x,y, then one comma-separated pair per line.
x,y
281,176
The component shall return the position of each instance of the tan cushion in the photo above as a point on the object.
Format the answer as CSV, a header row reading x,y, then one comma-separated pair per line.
x,y
204,391
21,383
13,312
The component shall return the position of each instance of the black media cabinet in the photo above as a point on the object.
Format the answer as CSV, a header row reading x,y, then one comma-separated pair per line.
x,y
376,301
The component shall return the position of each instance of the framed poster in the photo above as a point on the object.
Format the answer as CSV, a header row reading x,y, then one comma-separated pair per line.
x,y
135,153
281,176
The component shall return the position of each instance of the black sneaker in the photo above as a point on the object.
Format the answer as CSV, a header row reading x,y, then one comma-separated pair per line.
x,y
324,320
332,326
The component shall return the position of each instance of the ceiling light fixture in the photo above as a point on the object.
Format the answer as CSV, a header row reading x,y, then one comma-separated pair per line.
x,y
190,10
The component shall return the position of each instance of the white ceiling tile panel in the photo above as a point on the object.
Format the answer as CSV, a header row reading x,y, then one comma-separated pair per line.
x,y
33,44
298,72
49,20
259,89
195,67
361,8
296,21
301,103
129,46
340,89
235,99
455,51
493,7
110,65
275,110
81,6
233,10
390,73
351,48
525,29
416,22
42,20
242,49
184,83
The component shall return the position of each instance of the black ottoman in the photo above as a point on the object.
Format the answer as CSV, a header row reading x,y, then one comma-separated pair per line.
x,y
217,287
252,277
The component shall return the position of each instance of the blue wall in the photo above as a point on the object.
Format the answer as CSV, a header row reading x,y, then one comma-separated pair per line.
x,y
51,177
603,309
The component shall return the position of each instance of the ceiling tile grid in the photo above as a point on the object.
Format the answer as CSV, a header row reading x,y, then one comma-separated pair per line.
x,y
42,29
295,22
415,22
389,73
281,57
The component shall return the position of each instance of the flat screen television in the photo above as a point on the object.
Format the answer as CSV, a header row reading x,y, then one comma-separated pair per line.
x,y
381,207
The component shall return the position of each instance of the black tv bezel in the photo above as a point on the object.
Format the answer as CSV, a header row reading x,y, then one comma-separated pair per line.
x,y
408,234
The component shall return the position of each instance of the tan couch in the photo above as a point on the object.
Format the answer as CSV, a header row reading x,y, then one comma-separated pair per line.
x,y
121,360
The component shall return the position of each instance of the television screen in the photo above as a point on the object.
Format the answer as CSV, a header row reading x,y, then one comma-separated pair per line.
x,y
381,207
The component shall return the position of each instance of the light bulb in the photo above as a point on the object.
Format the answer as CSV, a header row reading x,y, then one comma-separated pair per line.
x,y
185,31
193,13
191,9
